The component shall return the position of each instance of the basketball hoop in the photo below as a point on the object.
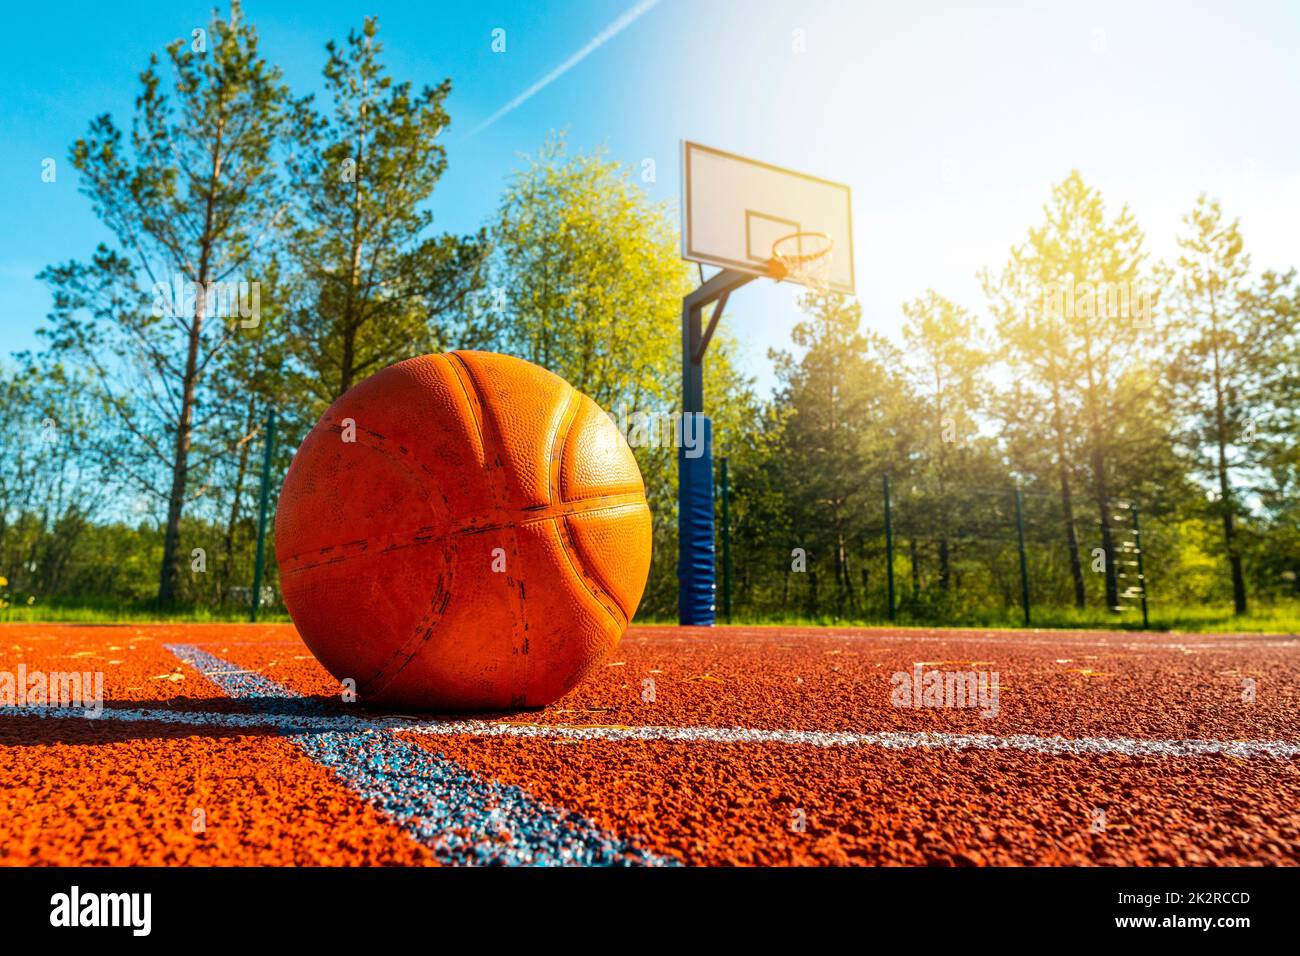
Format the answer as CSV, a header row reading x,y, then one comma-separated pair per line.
x,y
803,257
735,209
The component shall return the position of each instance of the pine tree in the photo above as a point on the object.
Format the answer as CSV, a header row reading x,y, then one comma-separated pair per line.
x,y
1075,312
191,198
1215,364
374,287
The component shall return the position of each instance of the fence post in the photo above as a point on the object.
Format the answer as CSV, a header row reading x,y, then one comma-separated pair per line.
x,y
889,549
256,597
1024,564
1142,577
726,543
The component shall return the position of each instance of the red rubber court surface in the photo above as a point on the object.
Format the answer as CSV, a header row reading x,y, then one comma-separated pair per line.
x,y
730,746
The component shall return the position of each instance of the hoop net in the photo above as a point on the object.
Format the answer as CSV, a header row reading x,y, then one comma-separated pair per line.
x,y
803,257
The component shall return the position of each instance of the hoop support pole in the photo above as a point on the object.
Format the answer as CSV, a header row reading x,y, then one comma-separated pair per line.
x,y
696,574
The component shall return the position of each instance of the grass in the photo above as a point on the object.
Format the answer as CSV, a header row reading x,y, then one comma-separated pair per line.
x,y
102,612
1280,618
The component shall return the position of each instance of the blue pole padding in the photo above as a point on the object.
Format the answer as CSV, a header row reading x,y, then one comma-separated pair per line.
x,y
695,567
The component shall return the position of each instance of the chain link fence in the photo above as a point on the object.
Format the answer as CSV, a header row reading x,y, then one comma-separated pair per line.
x,y
903,550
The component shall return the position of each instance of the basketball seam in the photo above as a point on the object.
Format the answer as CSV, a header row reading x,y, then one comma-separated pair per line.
x,y
638,487
568,546
465,376
591,581
580,506
573,554
598,579
555,465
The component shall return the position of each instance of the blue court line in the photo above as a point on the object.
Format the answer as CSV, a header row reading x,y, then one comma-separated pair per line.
x,y
464,818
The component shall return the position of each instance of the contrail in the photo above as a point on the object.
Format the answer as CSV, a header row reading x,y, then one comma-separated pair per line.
x,y
625,19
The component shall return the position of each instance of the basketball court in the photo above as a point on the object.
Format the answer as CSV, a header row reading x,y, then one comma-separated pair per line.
x,y
691,745
229,744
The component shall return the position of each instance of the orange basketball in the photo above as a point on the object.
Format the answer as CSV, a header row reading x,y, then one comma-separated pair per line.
x,y
463,531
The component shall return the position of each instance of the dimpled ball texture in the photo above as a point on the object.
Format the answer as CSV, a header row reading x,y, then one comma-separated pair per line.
x,y
463,531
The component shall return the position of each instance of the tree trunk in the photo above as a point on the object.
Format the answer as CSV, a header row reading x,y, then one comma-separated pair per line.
x,y
916,572
1226,497
1230,535
1067,500
846,575
1072,540
785,586
228,545
865,574
350,323
170,578
1234,558
348,360
1107,538
1097,454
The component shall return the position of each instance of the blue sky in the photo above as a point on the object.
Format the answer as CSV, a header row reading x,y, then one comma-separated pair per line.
x,y
949,121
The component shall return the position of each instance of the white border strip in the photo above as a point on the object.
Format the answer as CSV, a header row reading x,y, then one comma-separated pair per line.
x,y
889,740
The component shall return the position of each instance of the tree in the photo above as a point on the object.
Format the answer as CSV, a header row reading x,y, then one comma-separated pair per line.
x,y
948,381
374,287
586,279
190,202
253,379
589,272
1274,301
1215,364
1074,311
841,407
55,472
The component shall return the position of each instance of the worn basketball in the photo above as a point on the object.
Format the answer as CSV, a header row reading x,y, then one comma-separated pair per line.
x,y
463,531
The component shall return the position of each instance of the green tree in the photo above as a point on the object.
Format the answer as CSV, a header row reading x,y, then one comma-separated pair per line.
x,y
586,280
1215,364
1040,411
56,470
948,377
191,199
841,407
1275,302
254,377
373,287
1074,311
588,271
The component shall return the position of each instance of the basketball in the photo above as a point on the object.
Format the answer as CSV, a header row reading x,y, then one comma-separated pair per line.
x,y
463,531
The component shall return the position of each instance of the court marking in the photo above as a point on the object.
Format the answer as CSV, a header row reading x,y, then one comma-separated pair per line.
x,y
463,817
322,722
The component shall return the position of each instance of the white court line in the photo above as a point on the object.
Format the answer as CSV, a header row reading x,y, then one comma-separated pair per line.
x,y
889,740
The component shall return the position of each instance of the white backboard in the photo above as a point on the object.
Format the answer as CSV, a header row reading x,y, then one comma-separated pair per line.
x,y
734,208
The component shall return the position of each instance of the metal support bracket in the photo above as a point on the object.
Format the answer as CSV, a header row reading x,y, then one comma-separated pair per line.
x,y
695,340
